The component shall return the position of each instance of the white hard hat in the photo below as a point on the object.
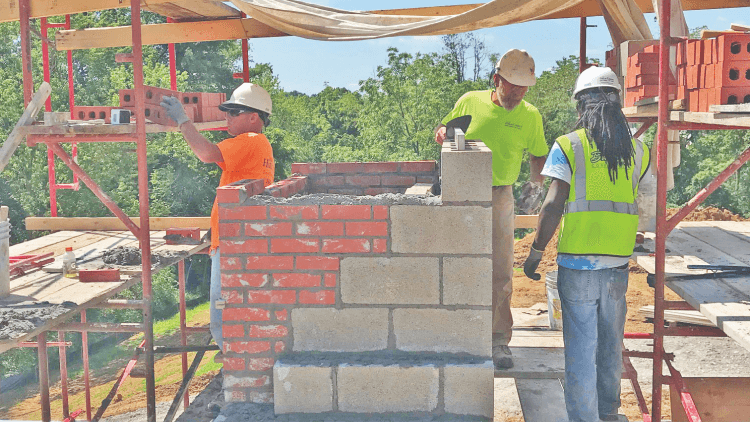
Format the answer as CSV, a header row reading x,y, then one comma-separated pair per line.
x,y
594,77
517,67
248,95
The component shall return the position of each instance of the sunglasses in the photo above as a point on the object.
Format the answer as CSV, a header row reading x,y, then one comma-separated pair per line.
x,y
237,112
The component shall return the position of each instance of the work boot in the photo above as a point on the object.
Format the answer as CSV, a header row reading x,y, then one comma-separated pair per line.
x,y
613,418
501,355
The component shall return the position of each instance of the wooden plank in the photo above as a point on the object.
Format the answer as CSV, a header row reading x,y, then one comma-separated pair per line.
x,y
739,27
194,10
542,400
27,247
112,223
72,131
29,114
731,245
180,32
524,337
535,362
689,317
725,119
720,399
526,221
419,189
729,108
709,33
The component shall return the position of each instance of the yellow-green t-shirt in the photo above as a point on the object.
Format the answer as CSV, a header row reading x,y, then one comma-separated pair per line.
x,y
506,133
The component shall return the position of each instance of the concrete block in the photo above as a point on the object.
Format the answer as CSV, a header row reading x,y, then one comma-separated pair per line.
x,y
382,389
467,281
302,389
466,175
441,229
441,330
340,330
468,389
390,280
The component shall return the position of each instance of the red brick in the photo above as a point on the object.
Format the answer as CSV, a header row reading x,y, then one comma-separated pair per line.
x,y
396,180
417,166
379,245
345,168
295,245
346,212
360,180
271,296
270,262
246,314
229,229
320,229
390,167
308,168
243,213
346,245
282,315
236,395
259,364
329,280
380,212
309,212
231,263
328,181
296,280
268,229
734,73
229,247
425,179
378,191
367,228
232,331
232,297
244,280
323,297
234,364
279,347
127,98
247,346
93,113
264,331
317,263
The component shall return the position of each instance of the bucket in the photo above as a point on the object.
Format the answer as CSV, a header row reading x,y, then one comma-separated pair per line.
x,y
4,258
554,308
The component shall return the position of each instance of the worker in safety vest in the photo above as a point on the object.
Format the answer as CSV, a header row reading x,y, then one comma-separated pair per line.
x,y
508,125
595,174
248,155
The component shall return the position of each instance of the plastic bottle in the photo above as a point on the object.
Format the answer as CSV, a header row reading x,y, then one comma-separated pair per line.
x,y
69,263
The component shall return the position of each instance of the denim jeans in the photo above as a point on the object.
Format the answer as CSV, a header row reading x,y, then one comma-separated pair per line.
x,y
214,295
593,312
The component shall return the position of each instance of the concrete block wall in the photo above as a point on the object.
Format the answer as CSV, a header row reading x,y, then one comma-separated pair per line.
x,y
365,178
358,304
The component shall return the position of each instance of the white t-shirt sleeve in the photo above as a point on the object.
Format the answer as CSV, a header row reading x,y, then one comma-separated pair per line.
x,y
557,165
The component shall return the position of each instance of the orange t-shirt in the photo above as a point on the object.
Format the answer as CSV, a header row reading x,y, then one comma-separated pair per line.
x,y
247,156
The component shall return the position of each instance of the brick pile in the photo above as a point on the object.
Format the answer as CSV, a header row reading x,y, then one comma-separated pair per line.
x,y
199,106
642,76
348,283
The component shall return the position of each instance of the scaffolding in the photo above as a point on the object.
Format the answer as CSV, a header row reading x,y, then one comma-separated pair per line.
x,y
53,137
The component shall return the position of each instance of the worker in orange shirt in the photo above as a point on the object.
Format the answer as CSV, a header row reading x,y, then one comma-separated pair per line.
x,y
248,155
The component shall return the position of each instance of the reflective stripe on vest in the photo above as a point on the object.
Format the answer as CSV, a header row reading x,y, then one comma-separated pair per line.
x,y
581,204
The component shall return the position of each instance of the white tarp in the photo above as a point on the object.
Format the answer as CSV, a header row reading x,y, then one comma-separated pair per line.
x,y
325,23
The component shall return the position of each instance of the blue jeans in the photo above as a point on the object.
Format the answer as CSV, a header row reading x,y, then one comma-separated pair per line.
x,y
214,295
593,312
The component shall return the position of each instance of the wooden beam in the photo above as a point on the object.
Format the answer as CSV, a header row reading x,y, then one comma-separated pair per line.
x,y
112,223
16,136
164,33
526,221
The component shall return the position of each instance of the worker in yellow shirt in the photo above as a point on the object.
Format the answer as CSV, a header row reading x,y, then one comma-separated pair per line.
x,y
248,155
508,125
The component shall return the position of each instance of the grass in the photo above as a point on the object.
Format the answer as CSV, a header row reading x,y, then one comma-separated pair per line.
x,y
107,363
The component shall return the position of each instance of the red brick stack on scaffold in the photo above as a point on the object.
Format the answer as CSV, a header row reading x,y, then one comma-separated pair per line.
x,y
199,106
642,76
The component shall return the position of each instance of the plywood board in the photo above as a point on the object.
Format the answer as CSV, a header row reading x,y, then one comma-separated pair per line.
x,y
26,248
717,399
535,362
542,400
688,317
729,244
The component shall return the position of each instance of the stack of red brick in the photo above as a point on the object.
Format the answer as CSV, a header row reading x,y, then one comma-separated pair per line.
x,y
717,71
642,76
199,106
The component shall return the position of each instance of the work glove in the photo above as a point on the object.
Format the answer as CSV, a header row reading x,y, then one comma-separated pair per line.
x,y
173,107
531,264
532,194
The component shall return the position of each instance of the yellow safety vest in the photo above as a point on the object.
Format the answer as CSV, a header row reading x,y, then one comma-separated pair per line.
x,y
601,217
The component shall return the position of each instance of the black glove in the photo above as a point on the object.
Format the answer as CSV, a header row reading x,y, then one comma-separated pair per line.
x,y
531,264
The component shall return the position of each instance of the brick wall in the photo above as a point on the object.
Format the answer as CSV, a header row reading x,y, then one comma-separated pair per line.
x,y
365,178
368,276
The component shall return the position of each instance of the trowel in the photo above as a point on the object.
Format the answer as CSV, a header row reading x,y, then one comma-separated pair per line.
x,y
461,122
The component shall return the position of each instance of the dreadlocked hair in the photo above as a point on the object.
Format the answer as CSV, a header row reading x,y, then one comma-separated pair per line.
x,y
602,118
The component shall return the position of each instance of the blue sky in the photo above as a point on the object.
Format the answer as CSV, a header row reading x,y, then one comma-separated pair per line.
x,y
308,65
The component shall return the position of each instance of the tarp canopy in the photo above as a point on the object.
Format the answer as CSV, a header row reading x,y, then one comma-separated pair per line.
x,y
325,23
